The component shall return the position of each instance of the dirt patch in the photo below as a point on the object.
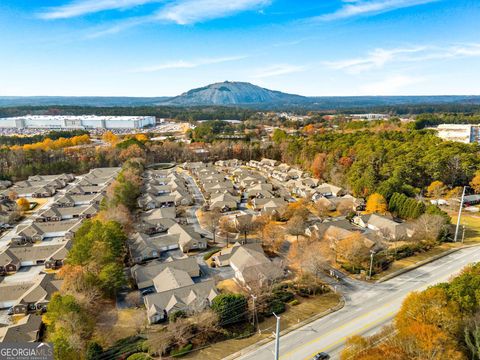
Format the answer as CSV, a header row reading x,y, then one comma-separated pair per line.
x,y
114,324
229,286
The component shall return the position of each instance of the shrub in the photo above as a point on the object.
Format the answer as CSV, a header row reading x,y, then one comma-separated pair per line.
x,y
283,296
294,302
231,308
277,307
139,356
174,316
181,351
352,269
94,350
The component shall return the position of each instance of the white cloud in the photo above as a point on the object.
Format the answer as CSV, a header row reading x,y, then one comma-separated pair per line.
x,y
378,58
183,64
277,70
85,7
353,8
184,12
391,85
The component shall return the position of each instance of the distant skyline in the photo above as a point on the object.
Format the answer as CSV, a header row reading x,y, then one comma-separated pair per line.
x,y
312,48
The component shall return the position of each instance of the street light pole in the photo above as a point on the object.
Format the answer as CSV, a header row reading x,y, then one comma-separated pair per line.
x,y
277,338
372,253
459,215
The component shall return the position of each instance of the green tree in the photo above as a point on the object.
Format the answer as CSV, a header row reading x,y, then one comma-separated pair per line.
x,y
230,308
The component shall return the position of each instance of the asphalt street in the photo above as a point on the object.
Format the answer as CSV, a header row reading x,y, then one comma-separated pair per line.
x,y
367,309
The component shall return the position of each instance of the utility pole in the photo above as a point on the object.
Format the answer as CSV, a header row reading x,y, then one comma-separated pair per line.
x,y
255,316
459,215
372,253
277,338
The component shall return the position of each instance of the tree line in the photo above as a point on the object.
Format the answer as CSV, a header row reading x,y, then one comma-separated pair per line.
x,y
94,268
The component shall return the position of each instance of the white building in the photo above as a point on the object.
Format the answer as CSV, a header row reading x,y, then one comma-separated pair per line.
x,y
459,132
77,122
370,116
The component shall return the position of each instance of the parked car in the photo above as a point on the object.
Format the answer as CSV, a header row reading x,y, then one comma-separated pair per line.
x,y
147,291
321,356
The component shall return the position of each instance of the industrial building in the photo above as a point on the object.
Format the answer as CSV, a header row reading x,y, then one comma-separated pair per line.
x,y
459,132
77,122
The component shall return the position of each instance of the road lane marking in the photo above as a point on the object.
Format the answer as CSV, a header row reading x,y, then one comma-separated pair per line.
x,y
398,287
368,326
356,319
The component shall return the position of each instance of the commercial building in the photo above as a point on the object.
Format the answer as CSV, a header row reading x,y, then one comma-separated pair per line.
x,y
77,122
459,132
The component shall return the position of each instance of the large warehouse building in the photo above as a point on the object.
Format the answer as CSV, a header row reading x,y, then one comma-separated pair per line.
x,y
77,122
464,133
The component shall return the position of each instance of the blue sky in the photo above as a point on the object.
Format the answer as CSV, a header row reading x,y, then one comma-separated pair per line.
x,y
308,47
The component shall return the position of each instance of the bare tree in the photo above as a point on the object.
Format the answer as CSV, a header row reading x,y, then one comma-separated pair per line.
x,y
134,299
323,207
212,220
273,236
296,226
345,206
244,225
226,228
428,227
353,250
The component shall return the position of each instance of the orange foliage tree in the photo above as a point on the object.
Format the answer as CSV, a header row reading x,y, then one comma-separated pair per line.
x,y
318,165
376,203
23,204
475,183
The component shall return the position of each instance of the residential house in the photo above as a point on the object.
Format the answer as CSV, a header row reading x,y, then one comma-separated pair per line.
x,y
15,257
252,266
26,329
386,226
144,274
39,231
222,258
29,296
176,293
67,213
78,200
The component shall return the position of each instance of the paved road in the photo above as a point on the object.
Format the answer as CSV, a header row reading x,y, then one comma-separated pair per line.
x,y
368,307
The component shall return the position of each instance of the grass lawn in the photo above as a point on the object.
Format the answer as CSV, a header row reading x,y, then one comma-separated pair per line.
x,y
472,237
472,228
295,314
412,260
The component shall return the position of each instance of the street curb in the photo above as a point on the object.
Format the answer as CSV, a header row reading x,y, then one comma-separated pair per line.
x,y
265,341
421,263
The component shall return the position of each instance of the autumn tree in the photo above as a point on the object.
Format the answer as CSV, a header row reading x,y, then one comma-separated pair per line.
x,y
23,204
475,183
436,189
376,203
297,208
110,137
353,250
319,165
12,195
